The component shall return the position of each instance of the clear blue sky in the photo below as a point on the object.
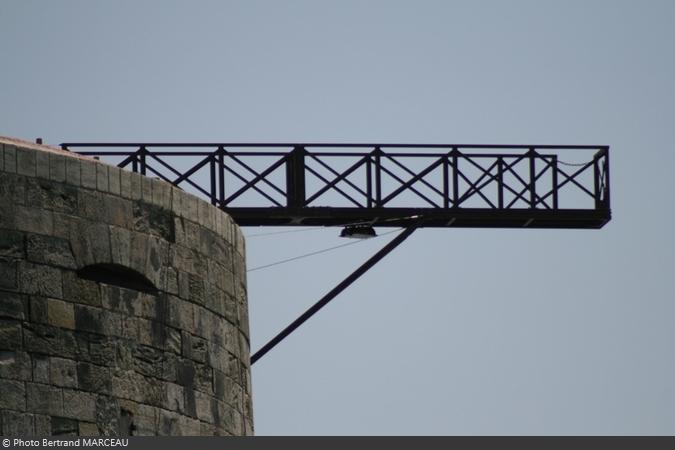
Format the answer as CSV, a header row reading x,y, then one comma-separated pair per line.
x,y
457,331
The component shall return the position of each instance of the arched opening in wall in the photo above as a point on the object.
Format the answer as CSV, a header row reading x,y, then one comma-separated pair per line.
x,y
117,275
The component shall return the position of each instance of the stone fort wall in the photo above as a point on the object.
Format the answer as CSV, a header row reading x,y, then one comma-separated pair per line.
x,y
123,305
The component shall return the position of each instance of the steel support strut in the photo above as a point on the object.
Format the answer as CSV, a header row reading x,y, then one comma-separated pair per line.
x,y
344,284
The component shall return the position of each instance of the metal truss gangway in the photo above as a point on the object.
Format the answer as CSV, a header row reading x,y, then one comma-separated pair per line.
x,y
304,184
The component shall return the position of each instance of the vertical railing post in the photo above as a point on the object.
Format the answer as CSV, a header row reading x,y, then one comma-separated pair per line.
x,y
295,178
500,182
554,180
532,154
597,195
455,177
605,198
446,182
601,186
212,175
369,181
377,153
221,176
141,153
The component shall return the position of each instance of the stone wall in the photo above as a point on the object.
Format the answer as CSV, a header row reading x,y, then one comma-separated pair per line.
x,y
85,357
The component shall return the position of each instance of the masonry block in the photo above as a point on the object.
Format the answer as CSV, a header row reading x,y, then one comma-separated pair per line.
x,y
57,168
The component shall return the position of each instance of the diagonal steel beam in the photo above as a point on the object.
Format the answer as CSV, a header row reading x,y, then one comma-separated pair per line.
x,y
344,284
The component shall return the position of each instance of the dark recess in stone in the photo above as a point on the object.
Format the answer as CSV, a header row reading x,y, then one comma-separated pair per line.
x,y
116,275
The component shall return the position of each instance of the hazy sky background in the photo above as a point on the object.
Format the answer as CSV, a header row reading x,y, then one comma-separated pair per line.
x,y
457,331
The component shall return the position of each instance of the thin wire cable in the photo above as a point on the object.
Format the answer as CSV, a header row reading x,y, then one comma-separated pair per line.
x,y
306,255
283,232
303,229
572,164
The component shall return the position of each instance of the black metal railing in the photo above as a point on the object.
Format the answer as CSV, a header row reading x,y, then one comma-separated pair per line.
x,y
546,186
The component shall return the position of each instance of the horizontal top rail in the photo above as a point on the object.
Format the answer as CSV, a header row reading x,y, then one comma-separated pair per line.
x,y
67,145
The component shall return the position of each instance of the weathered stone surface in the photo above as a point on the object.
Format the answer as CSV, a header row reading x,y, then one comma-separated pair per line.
x,y
161,193
42,165
169,280
205,406
11,244
174,341
73,171
10,335
145,421
33,220
13,395
37,307
102,177
196,286
62,223
57,168
62,426
174,398
127,301
94,378
151,333
49,340
88,429
214,247
12,193
88,319
8,276
114,180
49,250
146,189
203,378
184,285
79,405
40,279
43,425
168,423
230,419
120,245
12,305
10,158
118,211
90,243
103,350
15,365
194,347
44,399
90,205
60,314
228,390
180,314
154,220
17,424
41,369
148,361
136,387
25,162
125,184
52,196
136,190
79,290
107,415
62,372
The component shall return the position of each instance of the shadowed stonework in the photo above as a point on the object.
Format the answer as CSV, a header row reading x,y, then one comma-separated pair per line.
x,y
123,304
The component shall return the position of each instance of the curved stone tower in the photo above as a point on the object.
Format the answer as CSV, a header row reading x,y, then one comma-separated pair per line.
x,y
123,304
